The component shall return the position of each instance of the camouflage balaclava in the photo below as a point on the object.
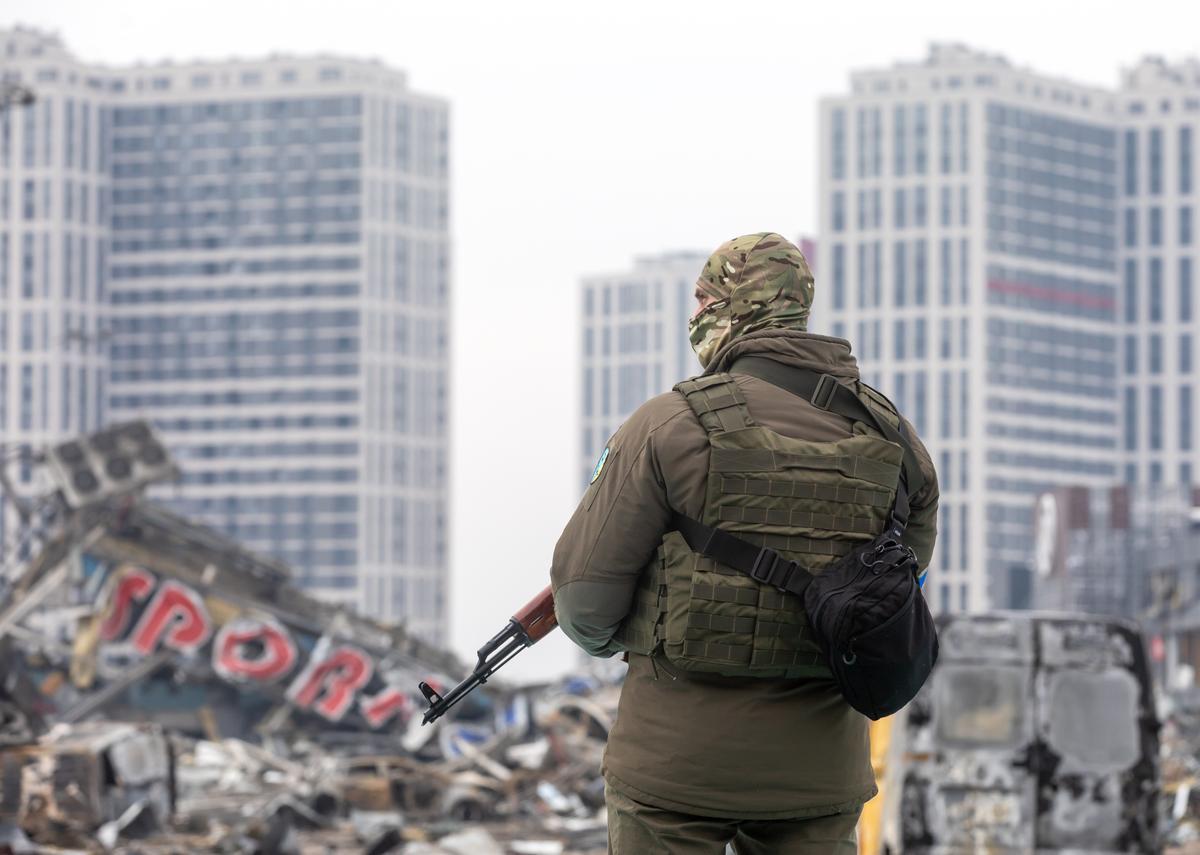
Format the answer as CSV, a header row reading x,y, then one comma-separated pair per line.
x,y
758,281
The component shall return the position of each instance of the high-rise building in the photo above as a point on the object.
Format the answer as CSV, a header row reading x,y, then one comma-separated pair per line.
x,y
1159,115
967,249
635,342
54,180
256,256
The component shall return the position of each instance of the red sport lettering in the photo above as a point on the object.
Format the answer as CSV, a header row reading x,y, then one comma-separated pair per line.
x,y
253,649
175,617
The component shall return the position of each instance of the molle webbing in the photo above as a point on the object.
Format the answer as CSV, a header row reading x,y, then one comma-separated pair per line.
x,y
717,403
802,490
641,631
766,460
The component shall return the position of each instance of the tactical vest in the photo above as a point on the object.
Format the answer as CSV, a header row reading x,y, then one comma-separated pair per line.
x,y
811,501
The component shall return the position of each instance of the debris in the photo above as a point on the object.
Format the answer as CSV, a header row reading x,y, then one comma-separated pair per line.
x,y
475,841
281,723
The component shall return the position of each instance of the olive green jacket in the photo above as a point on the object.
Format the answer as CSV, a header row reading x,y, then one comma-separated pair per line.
x,y
708,744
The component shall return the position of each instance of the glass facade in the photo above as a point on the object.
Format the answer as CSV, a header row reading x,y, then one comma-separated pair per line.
x,y
263,269
1050,187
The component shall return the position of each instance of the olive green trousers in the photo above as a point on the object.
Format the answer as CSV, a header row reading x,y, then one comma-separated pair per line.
x,y
639,829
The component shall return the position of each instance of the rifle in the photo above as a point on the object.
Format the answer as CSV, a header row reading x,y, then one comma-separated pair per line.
x,y
531,623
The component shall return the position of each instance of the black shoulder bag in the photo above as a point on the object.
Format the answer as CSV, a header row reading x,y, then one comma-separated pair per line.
x,y
866,609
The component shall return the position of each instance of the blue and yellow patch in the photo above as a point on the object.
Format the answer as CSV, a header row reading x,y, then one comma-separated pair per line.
x,y
599,465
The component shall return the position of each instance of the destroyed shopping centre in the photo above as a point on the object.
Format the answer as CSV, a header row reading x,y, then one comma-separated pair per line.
x,y
167,691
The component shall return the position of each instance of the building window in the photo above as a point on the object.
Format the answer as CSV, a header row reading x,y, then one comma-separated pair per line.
x,y
1185,418
1131,294
921,134
899,200
1185,159
1185,353
964,136
1185,289
877,272
964,543
1185,474
1131,419
1131,350
863,276
1155,226
946,343
945,206
919,398
1130,227
964,279
860,128
1156,290
919,207
839,211
899,328
838,144
26,397
900,139
963,212
945,416
946,137
1156,418
839,276
919,339
1155,176
900,272
920,272
964,405
1155,355
944,272
1185,225
1131,163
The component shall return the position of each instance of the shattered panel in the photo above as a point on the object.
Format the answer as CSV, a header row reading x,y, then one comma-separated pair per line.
x,y
1032,734
1098,739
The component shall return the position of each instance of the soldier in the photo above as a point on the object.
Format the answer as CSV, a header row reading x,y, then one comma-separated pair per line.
x,y
730,729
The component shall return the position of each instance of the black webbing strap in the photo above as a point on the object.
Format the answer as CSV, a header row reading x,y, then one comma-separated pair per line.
x,y
762,563
765,565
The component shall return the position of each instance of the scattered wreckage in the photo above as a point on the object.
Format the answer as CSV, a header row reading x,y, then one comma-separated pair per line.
x,y
166,690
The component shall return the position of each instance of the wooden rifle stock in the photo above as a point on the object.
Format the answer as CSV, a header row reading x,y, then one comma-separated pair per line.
x,y
537,616
532,622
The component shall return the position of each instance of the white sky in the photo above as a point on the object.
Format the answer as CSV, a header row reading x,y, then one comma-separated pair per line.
x,y
580,138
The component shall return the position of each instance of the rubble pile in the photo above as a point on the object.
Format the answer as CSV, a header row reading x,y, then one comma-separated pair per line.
x,y
522,778
165,690
1180,737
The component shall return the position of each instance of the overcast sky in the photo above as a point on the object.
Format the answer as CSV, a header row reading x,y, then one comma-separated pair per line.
x,y
580,138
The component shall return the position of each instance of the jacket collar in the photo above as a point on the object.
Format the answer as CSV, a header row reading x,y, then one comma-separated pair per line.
x,y
825,354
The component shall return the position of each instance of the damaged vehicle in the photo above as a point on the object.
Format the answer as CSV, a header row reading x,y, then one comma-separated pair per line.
x,y
1035,733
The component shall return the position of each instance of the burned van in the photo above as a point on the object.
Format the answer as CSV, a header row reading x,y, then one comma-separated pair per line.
x,y
1035,733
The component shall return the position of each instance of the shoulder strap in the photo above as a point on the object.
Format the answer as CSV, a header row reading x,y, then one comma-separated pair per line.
x,y
825,392
761,563
717,402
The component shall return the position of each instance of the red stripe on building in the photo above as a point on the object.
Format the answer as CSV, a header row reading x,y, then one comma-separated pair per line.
x,y
1052,295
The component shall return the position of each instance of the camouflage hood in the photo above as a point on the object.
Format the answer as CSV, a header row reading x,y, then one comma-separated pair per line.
x,y
759,281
